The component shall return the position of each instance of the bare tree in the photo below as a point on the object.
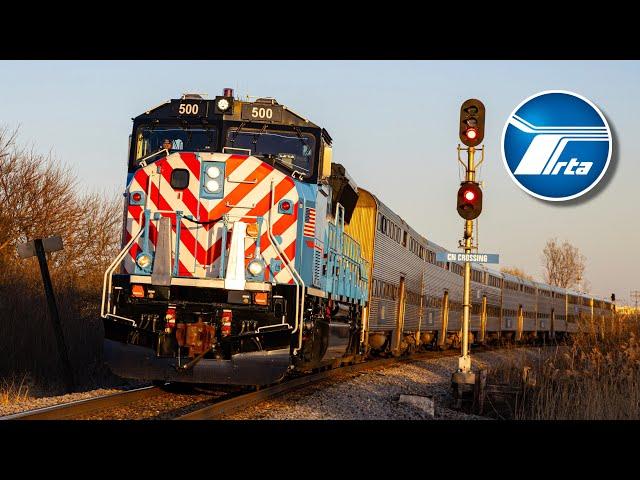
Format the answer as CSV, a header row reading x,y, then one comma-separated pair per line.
x,y
564,264
518,272
39,197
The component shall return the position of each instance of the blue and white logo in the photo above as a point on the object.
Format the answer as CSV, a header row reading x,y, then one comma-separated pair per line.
x,y
556,145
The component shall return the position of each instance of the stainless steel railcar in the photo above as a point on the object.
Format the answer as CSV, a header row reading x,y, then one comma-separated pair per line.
x,y
415,300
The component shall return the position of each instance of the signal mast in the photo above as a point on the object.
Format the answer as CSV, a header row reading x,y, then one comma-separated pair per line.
x,y
469,206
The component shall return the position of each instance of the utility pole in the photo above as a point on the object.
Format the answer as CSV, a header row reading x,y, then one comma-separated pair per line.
x,y
469,206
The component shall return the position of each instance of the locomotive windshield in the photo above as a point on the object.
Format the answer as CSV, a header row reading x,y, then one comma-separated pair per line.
x,y
150,140
295,150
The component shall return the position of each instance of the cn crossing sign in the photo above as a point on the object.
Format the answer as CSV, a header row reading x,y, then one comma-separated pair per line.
x,y
467,257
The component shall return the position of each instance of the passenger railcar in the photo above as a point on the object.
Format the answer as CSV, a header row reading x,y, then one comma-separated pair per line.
x,y
559,311
544,309
511,306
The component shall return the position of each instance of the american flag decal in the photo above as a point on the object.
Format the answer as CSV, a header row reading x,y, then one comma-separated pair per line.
x,y
309,222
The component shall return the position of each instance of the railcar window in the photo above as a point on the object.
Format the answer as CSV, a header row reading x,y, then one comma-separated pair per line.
x,y
149,140
298,148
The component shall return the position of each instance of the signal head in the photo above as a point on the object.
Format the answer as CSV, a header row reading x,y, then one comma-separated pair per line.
x,y
472,122
469,200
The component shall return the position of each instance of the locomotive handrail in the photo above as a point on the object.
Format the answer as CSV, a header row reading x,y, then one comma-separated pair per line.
x,y
294,274
108,275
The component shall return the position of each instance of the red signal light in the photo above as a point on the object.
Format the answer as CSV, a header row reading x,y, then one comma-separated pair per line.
x,y
136,196
471,133
469,200
286,205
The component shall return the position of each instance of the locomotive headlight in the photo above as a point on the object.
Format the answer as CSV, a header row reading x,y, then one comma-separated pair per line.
x,y
256,267
144,260
223,104
212,186
213,172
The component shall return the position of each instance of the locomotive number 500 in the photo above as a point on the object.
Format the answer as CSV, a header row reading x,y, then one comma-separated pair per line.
x,y
188,109
261,112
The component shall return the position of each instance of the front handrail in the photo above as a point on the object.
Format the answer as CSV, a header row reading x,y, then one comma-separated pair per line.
x,y
108,275
297,279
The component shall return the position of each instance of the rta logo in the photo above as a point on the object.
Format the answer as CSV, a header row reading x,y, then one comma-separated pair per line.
x,y
556,145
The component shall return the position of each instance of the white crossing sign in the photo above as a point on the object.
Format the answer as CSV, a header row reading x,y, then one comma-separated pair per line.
x,y
467,257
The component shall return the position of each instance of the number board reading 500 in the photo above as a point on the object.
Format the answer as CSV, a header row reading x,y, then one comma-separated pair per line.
x,y
262,113
188,109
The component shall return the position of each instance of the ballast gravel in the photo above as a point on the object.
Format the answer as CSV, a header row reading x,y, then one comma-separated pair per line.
x,y
374,395
32,403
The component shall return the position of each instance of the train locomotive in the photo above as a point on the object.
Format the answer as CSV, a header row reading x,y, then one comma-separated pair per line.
x,y
247,254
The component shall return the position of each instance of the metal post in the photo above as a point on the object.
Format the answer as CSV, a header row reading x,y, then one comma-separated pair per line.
x,y
442,338
520,324
53,312
421,311
483,320
464,362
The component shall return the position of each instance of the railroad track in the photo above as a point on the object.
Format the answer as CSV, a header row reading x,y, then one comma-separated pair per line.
x,y
216,408
82,407
228,406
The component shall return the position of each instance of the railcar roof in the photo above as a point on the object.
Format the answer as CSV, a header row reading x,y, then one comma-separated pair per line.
x,y
385,210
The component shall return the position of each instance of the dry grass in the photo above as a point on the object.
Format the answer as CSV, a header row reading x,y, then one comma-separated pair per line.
x,y
14,389
593,378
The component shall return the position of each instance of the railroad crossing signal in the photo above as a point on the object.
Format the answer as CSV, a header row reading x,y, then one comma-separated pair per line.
x,y
469,200
472,122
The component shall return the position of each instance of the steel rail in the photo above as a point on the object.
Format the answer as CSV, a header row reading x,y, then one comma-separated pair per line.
x,y
89,405
236,403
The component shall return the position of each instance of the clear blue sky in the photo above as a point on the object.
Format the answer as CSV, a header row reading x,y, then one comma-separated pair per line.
x,y
394,126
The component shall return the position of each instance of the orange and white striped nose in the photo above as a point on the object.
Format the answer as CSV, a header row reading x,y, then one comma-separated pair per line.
x,y
219,191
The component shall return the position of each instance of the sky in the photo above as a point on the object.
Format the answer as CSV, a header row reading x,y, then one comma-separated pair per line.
x,y
395,129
